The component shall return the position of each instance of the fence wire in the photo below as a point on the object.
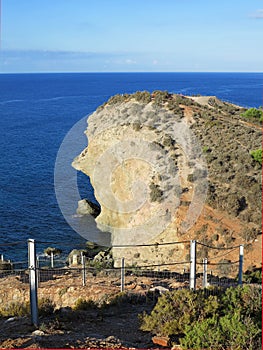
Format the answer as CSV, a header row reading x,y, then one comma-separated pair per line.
x,y
62,279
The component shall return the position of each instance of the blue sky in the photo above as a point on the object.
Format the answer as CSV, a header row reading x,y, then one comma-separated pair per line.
x,y
131,36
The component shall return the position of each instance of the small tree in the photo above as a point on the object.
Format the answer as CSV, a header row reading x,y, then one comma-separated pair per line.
x,y
50,251
55,251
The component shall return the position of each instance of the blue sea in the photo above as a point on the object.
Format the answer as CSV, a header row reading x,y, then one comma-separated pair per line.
x,y
36,113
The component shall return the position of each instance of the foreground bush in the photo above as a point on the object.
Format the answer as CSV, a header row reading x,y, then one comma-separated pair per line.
x,y
20,309
229,320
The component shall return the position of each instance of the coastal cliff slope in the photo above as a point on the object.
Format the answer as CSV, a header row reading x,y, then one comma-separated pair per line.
x,y
167,167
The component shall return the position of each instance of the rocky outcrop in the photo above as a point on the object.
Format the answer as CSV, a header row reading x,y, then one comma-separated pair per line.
x,y
86,207
166,168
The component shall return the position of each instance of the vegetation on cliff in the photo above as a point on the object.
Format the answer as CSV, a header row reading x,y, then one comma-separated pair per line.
x,y
231,144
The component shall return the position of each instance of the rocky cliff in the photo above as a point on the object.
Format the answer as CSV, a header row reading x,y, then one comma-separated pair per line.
x,y
168,168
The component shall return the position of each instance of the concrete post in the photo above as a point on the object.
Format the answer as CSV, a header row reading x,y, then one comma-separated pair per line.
x,y
193,265
75,259
38,271
205,273
52,259
32,266
241,259
122,274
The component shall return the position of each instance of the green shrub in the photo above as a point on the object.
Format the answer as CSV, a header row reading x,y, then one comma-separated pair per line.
x,y
257,155
176,310
201,335
230,320
117,99
15,309
227,332
253,113
142,96
160,97
253,276
206,149
156,193
45,307
82,304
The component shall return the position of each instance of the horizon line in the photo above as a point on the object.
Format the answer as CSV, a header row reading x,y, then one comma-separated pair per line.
x,y
135,72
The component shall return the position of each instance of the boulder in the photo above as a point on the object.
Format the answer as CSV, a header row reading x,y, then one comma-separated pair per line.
x,y
85,207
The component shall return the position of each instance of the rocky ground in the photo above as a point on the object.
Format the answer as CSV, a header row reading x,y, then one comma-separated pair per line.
x,y
113,327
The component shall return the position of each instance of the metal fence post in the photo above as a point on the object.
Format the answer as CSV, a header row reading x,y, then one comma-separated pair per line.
x,y
38,271
205,273
84,275
52,259
241,259
193,265
32,266
122,274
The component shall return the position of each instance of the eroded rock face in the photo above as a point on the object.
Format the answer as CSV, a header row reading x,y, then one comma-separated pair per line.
x,y
150,171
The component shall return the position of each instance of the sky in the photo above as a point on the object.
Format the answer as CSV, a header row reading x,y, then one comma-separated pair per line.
x,y
131,36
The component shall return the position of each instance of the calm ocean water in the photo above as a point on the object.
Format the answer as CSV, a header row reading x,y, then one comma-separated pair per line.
x,y
37,111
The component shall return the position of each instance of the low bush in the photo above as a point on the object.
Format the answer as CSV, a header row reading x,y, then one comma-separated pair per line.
x,y
142,96
82,304
45,307
257,155
253,276
156,194
15,309
253,113
229,320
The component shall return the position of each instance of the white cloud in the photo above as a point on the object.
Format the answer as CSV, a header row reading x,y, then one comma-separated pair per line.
x,y
258,14
130,61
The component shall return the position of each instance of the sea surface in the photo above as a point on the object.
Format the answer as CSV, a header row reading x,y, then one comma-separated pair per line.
x,y
36,113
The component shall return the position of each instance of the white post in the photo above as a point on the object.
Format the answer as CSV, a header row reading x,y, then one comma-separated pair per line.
x,y
205,273
122,274
193,265
38,271
241,259
2,257
83,270
52,259
32,266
